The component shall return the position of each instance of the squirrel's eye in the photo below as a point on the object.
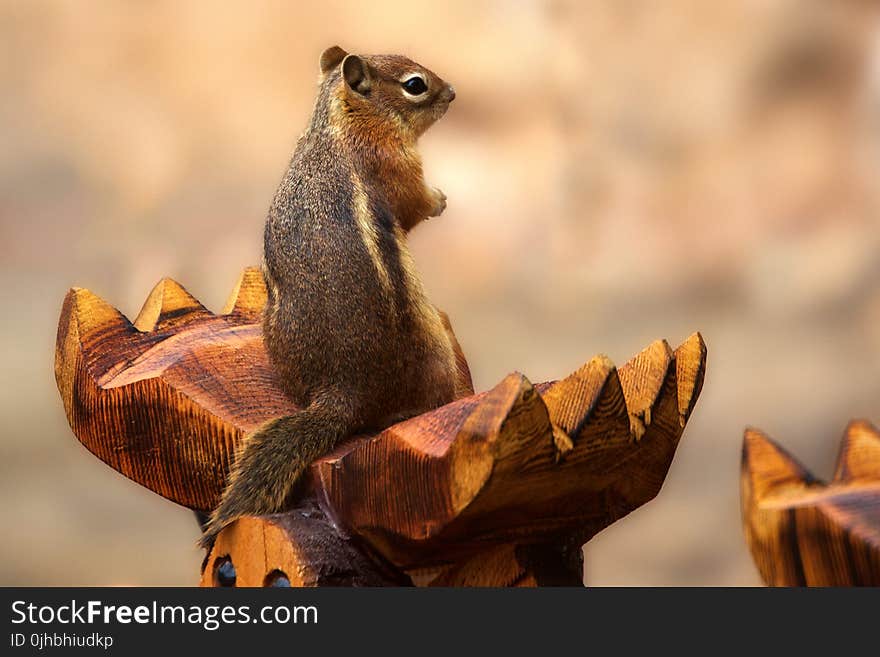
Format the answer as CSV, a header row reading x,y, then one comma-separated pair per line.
x,y
415,86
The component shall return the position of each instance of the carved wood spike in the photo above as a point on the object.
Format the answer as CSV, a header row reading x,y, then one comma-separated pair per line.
x,y
486,470
165,400
803,532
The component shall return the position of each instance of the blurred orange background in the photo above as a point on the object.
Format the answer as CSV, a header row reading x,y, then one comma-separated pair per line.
x,y
617,171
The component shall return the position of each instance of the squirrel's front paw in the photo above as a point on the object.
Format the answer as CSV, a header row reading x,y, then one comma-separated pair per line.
x,y
439,199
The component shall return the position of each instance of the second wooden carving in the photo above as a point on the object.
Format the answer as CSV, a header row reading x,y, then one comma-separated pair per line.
x,y
803,532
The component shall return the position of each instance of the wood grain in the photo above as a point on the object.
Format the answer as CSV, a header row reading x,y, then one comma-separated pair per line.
x,y
803,532
513,565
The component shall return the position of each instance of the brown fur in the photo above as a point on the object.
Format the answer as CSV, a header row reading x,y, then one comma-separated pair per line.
x,y
347,326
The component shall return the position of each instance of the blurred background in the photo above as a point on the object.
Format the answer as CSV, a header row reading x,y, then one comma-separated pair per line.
x,y
617,171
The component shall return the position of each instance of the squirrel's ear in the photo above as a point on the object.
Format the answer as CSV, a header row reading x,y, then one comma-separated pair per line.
x,y
330,58
356,74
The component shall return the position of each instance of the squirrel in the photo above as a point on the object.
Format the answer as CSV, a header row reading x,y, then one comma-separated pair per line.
x,y
348,329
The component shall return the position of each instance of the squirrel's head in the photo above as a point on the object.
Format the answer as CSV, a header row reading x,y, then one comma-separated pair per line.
x,y
386,88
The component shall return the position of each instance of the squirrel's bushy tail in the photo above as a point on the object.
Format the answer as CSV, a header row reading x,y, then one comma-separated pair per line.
x,y
271,460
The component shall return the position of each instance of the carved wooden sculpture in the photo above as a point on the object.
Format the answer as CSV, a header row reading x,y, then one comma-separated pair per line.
x,y
498,488
803,532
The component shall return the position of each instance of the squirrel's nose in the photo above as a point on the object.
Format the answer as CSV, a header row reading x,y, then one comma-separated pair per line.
x,y
451,92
